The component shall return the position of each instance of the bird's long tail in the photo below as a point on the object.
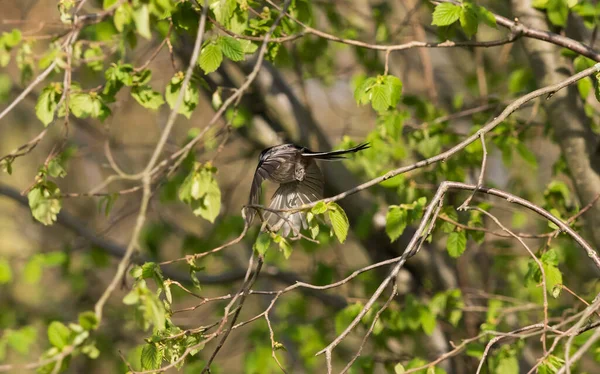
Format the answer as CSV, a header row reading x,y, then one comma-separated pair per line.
x,y
335,155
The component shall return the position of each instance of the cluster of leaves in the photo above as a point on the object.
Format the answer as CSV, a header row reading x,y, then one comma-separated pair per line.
x,y
201,192
468,14
558,10
383,91
168,342
74,339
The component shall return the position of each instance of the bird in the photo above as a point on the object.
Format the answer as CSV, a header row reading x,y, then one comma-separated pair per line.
x,y
300,182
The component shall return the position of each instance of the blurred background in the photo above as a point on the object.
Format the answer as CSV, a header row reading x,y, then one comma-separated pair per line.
x,y
303,94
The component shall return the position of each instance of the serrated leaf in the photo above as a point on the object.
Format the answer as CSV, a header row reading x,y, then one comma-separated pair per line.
x,y
232,48
151,357
394,86
58,334
457,243
211,57
380,97
339,221
446,14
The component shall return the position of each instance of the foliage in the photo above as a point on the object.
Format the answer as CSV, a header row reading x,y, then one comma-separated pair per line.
x,y
333,73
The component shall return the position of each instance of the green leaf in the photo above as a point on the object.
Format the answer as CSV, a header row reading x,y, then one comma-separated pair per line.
x,y
5,271
486,16
80,104
395,222
394,86
284,245
88,320
558,12
362,85
584,86
211,57
320,208
399,369
141,18
507,363
427,319
123,17
201,190
151,357
45,203
33,270
58,334
190,97
457,243
469,19
262,244
446,14
147,97
47,103
84,105
232,48
551,365
380,97
223,10
20,340
339,221
11,39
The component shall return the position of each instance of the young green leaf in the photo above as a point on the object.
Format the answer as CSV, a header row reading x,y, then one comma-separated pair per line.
x,y
457,243
58,334
558,12
211,57
232,48
88,320
396,222
190,97
45,202
201,190
262,244
380,97
147,97
339,221
141,18
446,14
469,19
47,103
151,357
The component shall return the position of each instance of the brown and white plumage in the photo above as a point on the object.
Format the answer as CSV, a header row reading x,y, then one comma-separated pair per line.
x,y
300,179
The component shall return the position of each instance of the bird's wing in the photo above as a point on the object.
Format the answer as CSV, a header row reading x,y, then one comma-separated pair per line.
x,y
267,166
292,195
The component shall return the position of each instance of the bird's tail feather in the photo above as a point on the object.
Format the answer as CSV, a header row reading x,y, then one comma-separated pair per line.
x,y
293,195
335,155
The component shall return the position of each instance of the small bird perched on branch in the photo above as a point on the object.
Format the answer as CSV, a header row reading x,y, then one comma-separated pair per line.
x,y
300,182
